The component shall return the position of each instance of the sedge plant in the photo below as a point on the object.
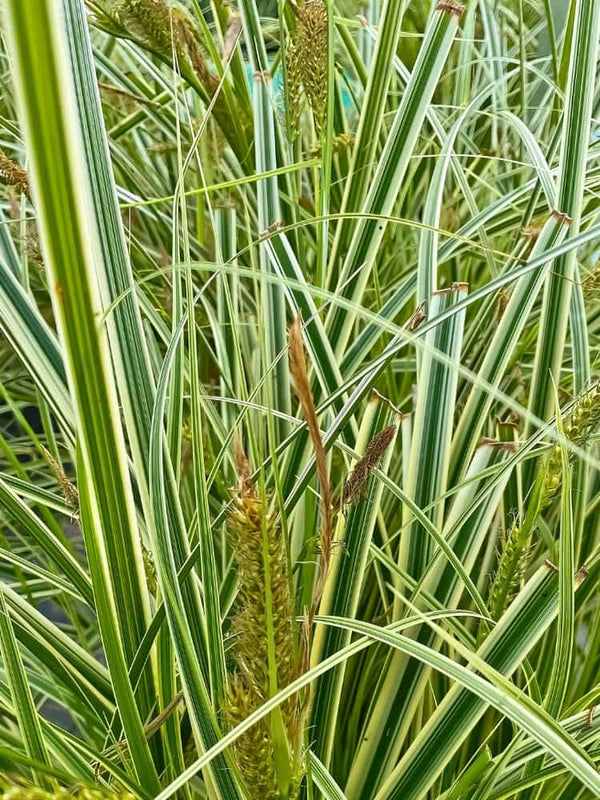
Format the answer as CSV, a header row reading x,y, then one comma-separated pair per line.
x,y
299,400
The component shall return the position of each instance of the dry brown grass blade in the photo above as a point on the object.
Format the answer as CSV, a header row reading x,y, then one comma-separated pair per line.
x,y
243,471
300,376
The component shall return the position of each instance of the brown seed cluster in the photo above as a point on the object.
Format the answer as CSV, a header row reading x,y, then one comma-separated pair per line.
x,y
357,480
11,174
188,46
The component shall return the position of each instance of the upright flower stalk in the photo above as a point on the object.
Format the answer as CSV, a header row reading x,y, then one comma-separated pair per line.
x,y
265,649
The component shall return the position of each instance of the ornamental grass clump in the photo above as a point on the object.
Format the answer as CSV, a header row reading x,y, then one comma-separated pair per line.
x,y
234,221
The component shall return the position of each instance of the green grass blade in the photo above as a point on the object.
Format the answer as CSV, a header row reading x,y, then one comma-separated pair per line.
x,y
574,149
345,581
71,247
392,167
27,713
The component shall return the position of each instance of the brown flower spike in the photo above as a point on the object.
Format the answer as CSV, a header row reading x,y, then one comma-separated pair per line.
x,y
357,480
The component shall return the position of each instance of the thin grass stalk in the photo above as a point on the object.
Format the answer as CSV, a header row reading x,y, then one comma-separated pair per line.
x,y
269,211
215,652
426,481
203,716
370,122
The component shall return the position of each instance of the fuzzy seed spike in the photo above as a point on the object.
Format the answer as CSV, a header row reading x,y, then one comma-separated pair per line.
x,y
307,62
249,685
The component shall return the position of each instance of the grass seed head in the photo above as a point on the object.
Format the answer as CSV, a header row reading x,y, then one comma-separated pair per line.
x,y
189,48
249,685
340,143
164,28
307,62
579,423
514,558
591,284
11,174
148,20
150,570
67,487
357,480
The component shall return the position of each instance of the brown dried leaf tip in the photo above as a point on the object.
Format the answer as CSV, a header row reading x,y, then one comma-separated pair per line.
x,y
244,473
357,480
301,383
